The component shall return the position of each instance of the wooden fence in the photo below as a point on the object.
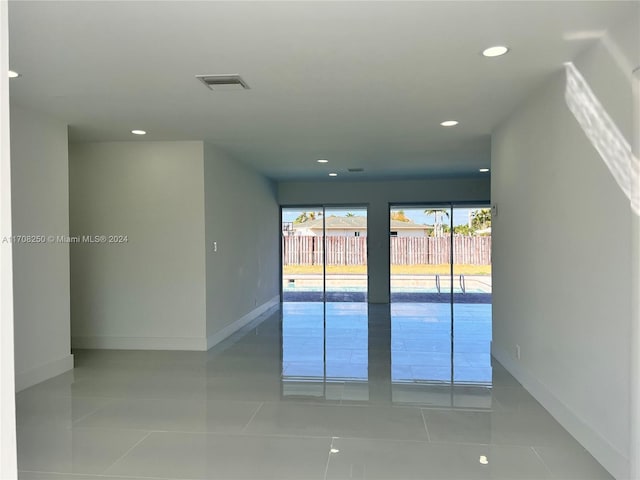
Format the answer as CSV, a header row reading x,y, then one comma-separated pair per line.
x,y
303,250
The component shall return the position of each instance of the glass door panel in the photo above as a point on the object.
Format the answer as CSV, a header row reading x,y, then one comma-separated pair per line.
x,y
324,313
346,295
472,294
302,254
421,292
346,253
419,252
324,254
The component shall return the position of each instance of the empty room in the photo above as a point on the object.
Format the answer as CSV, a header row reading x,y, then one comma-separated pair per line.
x,y
320,240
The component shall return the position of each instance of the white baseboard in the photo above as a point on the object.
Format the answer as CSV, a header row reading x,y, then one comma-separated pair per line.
x,y
226,332
43,372
609,457
140,343
199,344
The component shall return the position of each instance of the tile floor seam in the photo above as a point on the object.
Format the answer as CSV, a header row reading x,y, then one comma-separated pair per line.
x,y
482,444
246,434
244,429
104,472
326,467
83,417
101,475
118,429
424,421
547,468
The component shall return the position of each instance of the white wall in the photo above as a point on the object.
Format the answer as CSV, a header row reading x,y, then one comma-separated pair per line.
x,y
635,289
411,233
561,262
40,206
148,293
378,195
8,456
242,218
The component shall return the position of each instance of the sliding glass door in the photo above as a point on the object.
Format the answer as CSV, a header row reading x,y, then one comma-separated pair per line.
x,y
324,294
324,254
440,288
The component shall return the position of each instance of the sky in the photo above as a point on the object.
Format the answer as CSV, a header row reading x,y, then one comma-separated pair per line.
x,y
417,215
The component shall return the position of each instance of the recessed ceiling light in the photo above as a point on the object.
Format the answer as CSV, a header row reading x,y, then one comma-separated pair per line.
x,y
13,74
495,51
322,160
449,123
484,170
333,174
138,132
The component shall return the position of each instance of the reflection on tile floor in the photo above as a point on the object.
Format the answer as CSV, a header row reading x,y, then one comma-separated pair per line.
x,y
313,391
325,351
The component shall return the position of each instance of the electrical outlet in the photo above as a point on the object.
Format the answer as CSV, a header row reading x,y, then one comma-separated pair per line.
x,y
518,351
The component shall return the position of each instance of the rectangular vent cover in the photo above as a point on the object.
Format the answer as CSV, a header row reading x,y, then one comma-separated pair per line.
x,y
223,82
356,170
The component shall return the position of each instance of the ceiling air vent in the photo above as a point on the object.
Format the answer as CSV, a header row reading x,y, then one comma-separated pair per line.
x,y
223,82
356,170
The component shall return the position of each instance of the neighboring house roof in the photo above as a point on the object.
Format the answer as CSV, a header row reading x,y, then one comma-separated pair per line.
x,y
398,225
354,223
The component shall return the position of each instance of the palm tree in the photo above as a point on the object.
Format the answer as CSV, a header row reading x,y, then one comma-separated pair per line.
x,y
301,218
481,218
306,216
349,214
399,216
437,215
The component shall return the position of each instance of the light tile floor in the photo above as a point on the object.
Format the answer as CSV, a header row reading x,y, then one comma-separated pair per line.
x,y
313,391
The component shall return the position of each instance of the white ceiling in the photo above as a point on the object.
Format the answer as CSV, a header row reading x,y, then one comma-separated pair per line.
x,y
363,84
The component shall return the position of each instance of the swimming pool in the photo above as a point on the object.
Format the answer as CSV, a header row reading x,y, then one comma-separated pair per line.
x,y
318,288
474,284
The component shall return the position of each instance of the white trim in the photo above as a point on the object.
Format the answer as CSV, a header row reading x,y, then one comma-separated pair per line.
x,y
139,343
226,332
602,450
43,372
